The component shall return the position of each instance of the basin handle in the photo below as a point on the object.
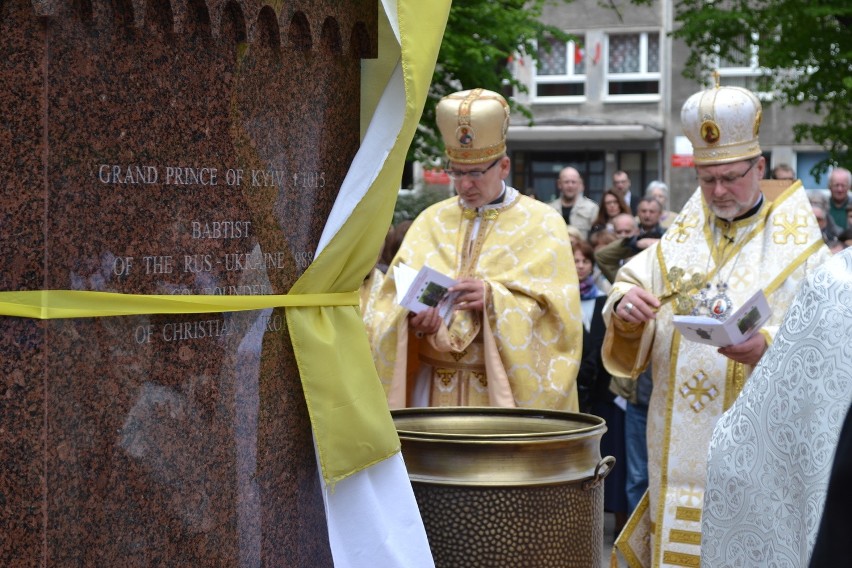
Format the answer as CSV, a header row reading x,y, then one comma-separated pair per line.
x,y
603,469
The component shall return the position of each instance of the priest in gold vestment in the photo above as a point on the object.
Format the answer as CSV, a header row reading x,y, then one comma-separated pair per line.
x,y
514,335
735,236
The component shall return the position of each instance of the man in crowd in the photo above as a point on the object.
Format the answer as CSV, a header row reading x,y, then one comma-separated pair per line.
x,y
826,224
578,210
648,212
613,256
660,191
839,183
514,337
729,242
621,185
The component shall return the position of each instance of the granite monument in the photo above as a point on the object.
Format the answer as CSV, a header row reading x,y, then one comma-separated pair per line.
x,y
155,147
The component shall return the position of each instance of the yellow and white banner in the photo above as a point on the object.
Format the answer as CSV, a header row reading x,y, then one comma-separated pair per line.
x,y
372,516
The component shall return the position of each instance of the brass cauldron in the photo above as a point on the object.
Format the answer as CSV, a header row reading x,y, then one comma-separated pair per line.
x,y
507,487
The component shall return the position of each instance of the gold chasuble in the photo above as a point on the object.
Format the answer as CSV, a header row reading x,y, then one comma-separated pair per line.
x,y
524,348
705,259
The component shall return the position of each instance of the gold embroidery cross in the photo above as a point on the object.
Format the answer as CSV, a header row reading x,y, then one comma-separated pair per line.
x,y
790,226
690,496
680,230
698,391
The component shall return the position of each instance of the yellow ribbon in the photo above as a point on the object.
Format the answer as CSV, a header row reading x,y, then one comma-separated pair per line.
x,y
352,425
351,422
59,304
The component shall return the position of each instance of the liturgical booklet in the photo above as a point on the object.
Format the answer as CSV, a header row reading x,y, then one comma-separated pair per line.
x,y
739,326
426,288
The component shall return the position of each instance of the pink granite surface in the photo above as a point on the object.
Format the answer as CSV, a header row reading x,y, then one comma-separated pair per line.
x,y
154,148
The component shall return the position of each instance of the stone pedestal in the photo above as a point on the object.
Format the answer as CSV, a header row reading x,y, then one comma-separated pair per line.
x,y
149,147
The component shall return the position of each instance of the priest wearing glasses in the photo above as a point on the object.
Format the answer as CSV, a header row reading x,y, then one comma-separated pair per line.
x,y
733,238
514,336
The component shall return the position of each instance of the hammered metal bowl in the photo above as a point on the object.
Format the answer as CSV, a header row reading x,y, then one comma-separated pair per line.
x,y
507,487
499,446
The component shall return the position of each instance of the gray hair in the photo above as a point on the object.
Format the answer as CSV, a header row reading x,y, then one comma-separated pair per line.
x,y
843,172
657,184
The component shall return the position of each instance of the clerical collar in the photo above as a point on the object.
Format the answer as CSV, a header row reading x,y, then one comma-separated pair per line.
x,y
500,197
751,211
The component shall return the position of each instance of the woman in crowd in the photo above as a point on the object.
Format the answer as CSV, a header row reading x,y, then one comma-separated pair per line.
x,y
598,240
660,191
611,205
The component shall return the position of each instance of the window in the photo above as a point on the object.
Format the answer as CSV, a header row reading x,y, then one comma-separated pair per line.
x,y
537,171
805,162
740,69
633,67
560,74
642,166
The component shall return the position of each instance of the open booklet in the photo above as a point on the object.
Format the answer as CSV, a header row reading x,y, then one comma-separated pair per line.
x,y
739,326
426,288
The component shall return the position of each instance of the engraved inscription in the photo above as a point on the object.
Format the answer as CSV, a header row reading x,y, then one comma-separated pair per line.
x,y
235,290
303,259
159,264
199,263
268,178
220,229
206,176
206,329
259,261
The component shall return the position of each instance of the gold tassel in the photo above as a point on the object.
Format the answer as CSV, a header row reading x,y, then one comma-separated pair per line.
x,y
613,559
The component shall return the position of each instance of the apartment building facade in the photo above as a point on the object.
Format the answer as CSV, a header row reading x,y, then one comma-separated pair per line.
x,y
611,101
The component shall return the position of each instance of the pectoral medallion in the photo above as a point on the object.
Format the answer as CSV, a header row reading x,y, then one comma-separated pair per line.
x,y
717,306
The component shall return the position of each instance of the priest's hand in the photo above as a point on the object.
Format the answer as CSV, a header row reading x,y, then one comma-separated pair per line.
x,y
426,322
471,294
748,352
637,305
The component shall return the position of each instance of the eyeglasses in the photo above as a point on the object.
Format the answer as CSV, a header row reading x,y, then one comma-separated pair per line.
x,y
727,180
456,175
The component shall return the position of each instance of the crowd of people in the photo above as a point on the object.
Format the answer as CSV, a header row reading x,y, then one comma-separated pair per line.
x,y
531,328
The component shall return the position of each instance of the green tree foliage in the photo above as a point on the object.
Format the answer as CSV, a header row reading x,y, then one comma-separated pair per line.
x,y
481,38
805,47
410,205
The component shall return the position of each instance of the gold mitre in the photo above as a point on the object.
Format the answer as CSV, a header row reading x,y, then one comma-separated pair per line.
x,y
473,125
722,123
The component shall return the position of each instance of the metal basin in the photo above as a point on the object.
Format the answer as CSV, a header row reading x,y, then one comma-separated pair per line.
x,y
507,486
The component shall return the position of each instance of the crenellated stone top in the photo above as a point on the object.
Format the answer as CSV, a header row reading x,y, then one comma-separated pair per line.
x,y
344,28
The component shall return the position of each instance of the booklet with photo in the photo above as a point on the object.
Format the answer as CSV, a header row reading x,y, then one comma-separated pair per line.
x,y
426,288
739,326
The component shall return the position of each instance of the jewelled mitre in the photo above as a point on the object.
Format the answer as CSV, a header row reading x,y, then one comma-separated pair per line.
x,y
473,125
722,123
